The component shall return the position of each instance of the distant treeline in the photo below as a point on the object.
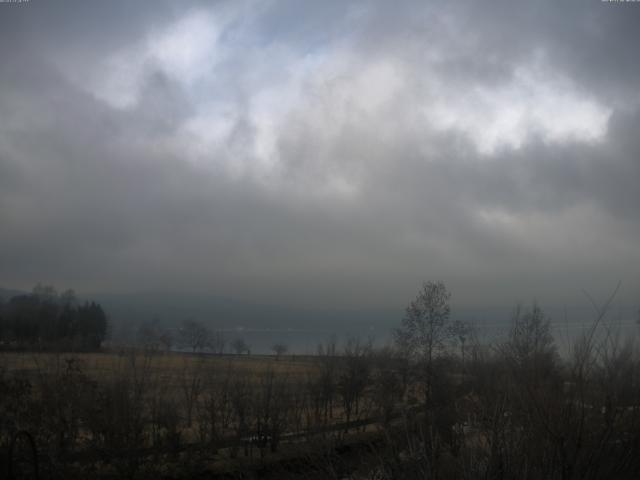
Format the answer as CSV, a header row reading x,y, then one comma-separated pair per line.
x,y
46,319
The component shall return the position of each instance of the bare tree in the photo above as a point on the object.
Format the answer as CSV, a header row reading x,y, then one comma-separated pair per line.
x,y
270,410
241,403
166,340
327,377
387,382
191,385
279,349
152,336
423,335
355,376
425,329
240,346
194,335
218,342
531,346
215,412
460,332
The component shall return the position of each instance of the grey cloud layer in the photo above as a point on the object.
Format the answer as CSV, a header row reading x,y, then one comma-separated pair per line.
x,y
335,155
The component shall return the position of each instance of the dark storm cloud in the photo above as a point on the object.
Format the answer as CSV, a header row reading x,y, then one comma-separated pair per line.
x,y
339,155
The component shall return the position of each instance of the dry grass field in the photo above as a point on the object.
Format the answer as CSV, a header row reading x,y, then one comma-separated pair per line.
x,y
168,376
168,364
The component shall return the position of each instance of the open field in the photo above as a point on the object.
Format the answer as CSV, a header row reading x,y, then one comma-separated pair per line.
x,y
169,364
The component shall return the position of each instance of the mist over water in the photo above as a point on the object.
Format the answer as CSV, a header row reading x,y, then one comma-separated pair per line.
x,y
303,329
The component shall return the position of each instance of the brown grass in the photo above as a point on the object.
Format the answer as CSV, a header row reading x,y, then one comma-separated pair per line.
x,y
103,365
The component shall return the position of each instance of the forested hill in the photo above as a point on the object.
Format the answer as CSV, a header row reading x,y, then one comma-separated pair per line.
x,y
46,319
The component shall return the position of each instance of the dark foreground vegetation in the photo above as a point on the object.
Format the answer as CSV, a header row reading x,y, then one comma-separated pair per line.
x,y
437,405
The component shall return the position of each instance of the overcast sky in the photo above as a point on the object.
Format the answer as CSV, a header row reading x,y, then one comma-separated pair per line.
x,y
322,153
